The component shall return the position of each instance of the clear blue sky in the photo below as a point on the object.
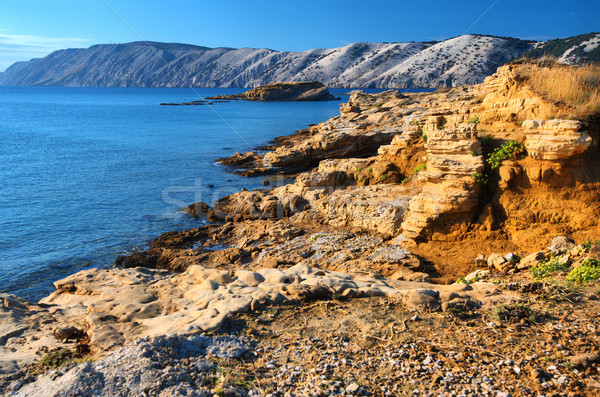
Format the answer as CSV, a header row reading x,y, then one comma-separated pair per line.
x,y
33,28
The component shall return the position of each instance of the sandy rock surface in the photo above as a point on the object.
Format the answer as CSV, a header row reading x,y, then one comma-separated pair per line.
x,y
116,306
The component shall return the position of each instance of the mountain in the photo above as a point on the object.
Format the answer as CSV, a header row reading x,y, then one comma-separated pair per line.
x,y
466,59
584,48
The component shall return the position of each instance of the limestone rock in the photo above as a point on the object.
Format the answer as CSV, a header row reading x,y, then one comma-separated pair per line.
x,y
531,260
117,306
498,262
481,260
477,275
584,360
450,191
561,244
555,139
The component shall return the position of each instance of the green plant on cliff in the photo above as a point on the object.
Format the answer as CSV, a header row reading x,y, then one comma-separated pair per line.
x,y
510,149
414,172
383,177
474,120
589,270
480,178
359,169
418,168
487,140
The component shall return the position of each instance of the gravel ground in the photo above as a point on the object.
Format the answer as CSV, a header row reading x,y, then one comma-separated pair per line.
x,y
545,344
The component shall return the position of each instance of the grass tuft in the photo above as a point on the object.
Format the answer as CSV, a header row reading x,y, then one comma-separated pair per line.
x,y
576,86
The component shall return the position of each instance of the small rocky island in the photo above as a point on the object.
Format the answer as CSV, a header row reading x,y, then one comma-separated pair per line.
x,y
283,92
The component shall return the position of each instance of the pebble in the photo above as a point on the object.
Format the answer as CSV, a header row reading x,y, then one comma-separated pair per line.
x,y
352,388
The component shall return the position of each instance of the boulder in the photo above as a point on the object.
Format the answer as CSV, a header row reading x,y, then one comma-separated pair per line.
x,y
561,243
499,262
197,210
531,260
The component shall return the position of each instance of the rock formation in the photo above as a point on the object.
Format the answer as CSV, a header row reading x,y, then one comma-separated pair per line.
x,y
118,306
276,92
429,179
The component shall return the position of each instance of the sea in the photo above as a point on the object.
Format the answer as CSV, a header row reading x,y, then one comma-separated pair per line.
x,y
88,174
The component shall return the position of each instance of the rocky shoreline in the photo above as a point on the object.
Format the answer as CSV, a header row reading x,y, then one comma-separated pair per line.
x,y
414,252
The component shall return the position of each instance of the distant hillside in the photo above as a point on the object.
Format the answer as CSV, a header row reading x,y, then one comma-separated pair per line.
x,y
584,48
461,60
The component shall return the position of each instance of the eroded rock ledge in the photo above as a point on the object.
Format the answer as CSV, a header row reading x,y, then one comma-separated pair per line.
x,y
117,306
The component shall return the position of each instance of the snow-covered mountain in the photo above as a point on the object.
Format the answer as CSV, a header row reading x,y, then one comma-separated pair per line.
x,y
462,60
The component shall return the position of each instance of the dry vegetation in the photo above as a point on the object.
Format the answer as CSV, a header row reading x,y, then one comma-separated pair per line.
x,y
576,86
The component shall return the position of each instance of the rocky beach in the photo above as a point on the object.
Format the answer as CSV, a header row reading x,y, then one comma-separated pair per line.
x,y
438,243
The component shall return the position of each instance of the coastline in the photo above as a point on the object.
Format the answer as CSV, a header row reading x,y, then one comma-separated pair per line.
x,y
365,225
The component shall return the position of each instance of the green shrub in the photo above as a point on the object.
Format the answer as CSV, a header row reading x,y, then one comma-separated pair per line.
x,y
56,358
510,149
588,271
514,312
361,179
370,170
418,169
474,120
549,267
414,172
479,177
588,244
487,140
383,177
359,169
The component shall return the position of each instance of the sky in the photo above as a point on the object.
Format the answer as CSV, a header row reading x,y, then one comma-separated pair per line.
x,y
34,28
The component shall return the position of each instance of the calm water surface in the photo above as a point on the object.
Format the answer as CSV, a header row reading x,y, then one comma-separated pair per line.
x,y
87,174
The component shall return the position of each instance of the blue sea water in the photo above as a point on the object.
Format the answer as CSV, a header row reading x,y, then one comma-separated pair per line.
x,y
87,174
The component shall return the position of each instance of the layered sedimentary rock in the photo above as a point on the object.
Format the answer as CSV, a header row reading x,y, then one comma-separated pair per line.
x,y
450,191
555,139
429,175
